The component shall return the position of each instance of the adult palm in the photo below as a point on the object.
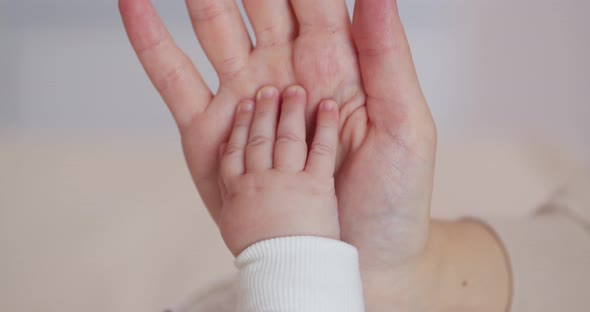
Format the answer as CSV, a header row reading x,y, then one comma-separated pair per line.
x,y
387,138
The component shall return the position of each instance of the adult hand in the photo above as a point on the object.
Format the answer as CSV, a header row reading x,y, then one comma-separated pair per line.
x,y
387,139
387,144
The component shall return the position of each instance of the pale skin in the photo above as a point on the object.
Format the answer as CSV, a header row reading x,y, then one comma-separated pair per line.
x,y
272,184
386,135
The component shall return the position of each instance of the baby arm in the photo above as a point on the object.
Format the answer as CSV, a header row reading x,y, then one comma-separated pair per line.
x,y
280,212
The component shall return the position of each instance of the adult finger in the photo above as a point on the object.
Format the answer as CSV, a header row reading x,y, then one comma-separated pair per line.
x,y
169,69
222,33
319,16
386,63
273,21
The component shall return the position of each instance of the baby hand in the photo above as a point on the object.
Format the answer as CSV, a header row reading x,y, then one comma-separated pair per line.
x,y
271,185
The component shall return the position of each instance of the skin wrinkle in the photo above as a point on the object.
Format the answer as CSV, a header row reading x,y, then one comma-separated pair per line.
x,y
172,77
243,82
333,29
209,11
151,45
320,63
352,135
233,66
265,38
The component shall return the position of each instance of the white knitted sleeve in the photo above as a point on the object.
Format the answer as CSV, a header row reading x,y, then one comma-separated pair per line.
x,y
299,274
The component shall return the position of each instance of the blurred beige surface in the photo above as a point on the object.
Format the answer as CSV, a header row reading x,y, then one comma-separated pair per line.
x,y
100,225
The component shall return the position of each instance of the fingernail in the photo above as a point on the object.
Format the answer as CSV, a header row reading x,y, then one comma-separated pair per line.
x,y
266,93
246,106
292,91
328,106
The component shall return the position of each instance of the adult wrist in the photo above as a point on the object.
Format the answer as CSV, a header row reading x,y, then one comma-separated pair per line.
x,y
414,285
462,267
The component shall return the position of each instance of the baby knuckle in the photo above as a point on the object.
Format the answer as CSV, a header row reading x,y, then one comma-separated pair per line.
x,y
251,185
289,137
259,140
233,149
322,149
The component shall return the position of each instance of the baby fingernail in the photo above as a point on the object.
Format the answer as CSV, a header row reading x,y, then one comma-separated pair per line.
x,y
328,106
292,91
266,93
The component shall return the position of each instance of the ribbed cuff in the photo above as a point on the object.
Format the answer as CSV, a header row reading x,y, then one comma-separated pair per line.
x,y
303,274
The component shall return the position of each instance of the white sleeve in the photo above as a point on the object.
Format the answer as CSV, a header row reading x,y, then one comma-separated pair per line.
x,y
299,274
549,253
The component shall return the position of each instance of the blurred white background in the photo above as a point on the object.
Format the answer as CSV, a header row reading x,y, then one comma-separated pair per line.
x,y
97,212
502,67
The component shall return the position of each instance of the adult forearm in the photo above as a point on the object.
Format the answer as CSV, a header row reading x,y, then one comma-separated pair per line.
x,y
473,266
